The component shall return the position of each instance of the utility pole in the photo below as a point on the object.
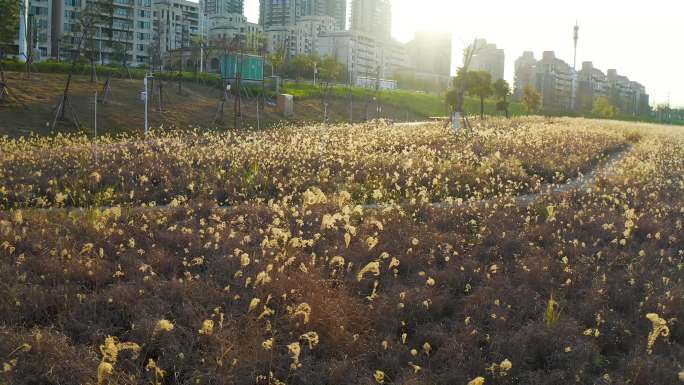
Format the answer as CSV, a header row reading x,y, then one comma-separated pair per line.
x,y
575,38
573,96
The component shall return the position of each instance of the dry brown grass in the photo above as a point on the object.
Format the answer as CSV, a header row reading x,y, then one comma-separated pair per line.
x,y
473,282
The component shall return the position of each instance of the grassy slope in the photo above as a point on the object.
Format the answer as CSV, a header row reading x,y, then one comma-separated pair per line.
x,y
420,103
31,108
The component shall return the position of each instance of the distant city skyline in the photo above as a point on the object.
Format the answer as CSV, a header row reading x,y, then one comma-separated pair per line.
x,y
636,39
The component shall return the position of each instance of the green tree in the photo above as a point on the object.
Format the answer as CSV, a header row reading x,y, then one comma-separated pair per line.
x,y
120,53
96,22
93,14
501,91
276,59
531,98
454,97
300,65
9,14
198,51
256,42
451,98
604,108
330,69
479,84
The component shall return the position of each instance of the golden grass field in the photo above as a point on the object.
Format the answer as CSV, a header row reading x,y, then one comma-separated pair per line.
x,y
346,254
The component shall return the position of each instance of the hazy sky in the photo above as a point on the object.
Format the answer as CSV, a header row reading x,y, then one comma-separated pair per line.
x,y
641,39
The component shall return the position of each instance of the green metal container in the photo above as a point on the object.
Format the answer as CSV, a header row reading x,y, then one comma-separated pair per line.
x,y
249,67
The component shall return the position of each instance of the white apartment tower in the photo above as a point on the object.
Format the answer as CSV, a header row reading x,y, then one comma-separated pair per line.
x,y
373,17
176,24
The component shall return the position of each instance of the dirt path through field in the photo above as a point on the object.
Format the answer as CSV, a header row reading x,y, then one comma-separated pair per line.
x,y
580,182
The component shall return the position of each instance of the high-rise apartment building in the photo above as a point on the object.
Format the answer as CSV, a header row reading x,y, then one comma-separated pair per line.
x,y
628,96
223,20
301,38
428,61
373,17
563,89
592,84
431,52
365,56
39,32
640,99
295,25
125,37
226,26
175,24
284,13
554,79
337,9
488,58
279,13
524,73
211,7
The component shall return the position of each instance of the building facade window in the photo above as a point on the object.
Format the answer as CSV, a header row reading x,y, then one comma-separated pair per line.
x,y
121,12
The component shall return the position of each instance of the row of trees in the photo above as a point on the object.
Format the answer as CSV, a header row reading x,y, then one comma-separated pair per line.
x,y
298,67
305,66
479,84
195,55
9,14
604,108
